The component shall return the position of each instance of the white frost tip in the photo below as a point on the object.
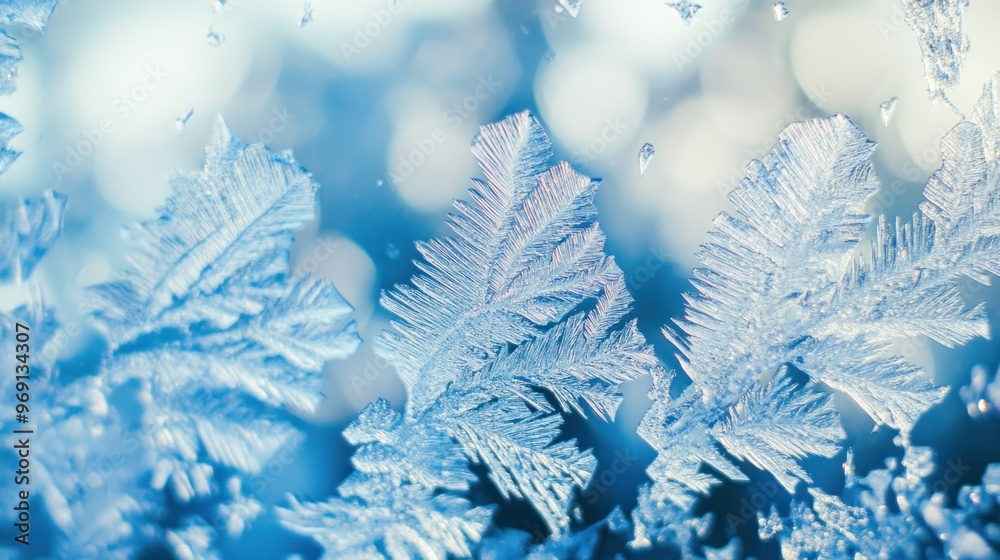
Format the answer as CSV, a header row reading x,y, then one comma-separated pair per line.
x,y
780,11
686,9
886,109
307,15
572,7
181,121
646,153
214,39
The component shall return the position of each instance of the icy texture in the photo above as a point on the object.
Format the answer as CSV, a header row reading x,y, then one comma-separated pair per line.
x,y
27,231
982,395
943,45
216,342
31,13
783,287
780,11
517,545
193,541
886,109
214,38
517,318
572,7
10,57
686,9
42,324
646,153
307,14
900,511
181,122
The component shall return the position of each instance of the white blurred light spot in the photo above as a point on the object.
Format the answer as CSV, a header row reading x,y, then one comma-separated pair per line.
x,y
584,97
428,158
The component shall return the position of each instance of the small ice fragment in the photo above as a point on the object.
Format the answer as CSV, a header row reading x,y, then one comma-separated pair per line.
x,y
215,39
887,108
392,251
550,56
686,9
780,11
768,527
646,153
307,14
181,121
572,7
617,522
379,182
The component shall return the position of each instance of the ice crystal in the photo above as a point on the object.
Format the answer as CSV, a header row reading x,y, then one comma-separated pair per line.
x,y
886,109
33,14
214,38
219,345
307,14
780,11
783,288
686,9
646,153
29,229
572,7
897,512
181,122
517,318
943,45
518,545
193,541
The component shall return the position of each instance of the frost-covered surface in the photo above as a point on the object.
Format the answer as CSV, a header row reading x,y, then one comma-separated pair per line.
x,y
33,14
943,44
900,511
782,287
517,318
208,332
29,229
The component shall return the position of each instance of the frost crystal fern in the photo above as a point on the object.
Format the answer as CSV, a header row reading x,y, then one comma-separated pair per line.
x,y
214,342
516,319
956,234
789,284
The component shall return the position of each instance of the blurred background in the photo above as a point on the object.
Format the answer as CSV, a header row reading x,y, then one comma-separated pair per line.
x,y
380,100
